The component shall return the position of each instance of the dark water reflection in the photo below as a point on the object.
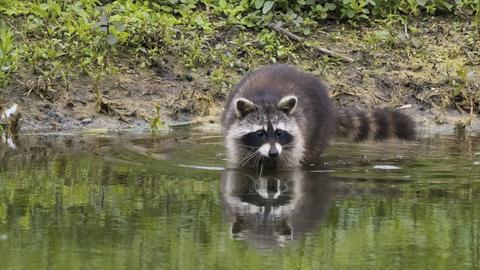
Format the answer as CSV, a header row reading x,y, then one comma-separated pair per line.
x,y
161,202
271,209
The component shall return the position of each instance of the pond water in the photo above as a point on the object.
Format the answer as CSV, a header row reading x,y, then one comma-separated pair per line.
x,y
165,202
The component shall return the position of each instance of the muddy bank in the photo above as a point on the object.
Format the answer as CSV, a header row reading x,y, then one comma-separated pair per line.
x,y
429,68
129,104
130,116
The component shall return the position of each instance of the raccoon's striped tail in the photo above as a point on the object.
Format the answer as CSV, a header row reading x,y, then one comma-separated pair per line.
x,y
379,124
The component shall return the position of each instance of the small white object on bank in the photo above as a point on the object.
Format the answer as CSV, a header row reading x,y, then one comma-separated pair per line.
x,y
386,167
9,112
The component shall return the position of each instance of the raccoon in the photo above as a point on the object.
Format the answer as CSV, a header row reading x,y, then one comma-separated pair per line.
x,y
279,117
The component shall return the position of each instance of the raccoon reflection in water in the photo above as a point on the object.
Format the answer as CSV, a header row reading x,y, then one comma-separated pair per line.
x,y
274,208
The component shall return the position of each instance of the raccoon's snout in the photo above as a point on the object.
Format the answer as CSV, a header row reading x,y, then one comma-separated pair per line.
x,y
270,150
273,153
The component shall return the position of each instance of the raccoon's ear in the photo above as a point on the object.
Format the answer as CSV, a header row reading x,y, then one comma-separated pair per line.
x,y
287,104
243,107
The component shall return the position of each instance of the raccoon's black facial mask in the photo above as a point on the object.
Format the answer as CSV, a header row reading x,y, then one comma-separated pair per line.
x,y
260,137
254,139
283,137
270,143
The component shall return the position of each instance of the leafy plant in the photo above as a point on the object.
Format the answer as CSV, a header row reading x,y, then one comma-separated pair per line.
x,y
356,8
156,122
8,54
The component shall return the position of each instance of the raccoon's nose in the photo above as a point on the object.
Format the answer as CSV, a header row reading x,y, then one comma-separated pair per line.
x,y
273,153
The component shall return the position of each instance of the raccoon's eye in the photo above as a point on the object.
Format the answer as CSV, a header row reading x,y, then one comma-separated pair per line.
x,y
278,132
260,133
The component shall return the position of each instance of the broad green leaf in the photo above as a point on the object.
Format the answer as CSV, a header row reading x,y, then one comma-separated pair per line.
x,y
267,6
330,6
421,3
350,13
259,3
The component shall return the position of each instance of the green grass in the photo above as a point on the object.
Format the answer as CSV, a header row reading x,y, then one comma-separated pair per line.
x,y
8,55
53,42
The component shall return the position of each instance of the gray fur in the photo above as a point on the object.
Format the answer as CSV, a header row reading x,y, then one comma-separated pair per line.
x,y
272,89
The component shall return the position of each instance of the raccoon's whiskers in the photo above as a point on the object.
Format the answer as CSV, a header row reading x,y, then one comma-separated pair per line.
x,y
282,160
248,157
245,146
288,145
261,170
286,160
259,159
252,158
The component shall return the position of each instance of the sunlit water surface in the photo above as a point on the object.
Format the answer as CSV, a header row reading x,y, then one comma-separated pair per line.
x,y
165,202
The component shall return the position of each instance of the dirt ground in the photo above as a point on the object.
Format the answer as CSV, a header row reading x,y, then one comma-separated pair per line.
x,y
415,70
